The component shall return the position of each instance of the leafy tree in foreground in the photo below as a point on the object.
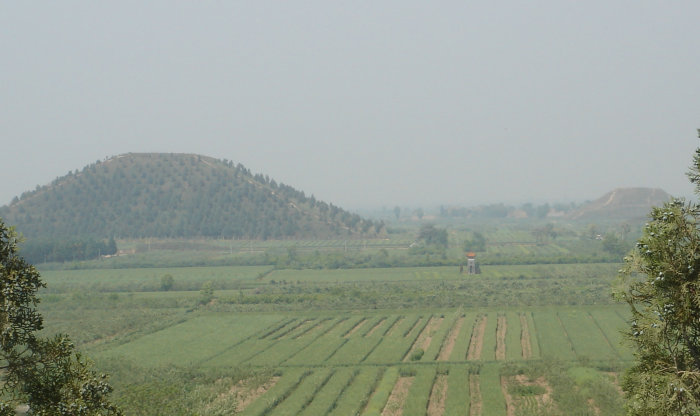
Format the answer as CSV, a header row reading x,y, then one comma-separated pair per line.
x,y
46,374
661,284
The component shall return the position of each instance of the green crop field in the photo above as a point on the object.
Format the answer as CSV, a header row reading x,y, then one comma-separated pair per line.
x,y
352,341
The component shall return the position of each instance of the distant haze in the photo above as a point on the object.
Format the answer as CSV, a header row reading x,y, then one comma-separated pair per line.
x,y
361,103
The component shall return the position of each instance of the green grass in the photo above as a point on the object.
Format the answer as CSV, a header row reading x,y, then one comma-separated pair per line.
x,y
304,394
513,344
149,279
356,395
457,401
488,349
419,393
492,401
381,394
554,342
327,396
193,341
288,383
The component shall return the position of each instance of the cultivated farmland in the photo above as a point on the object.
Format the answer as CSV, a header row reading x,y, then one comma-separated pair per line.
x,y
409,341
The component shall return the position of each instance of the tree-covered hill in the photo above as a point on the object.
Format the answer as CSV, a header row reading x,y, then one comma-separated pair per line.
x,y
176,196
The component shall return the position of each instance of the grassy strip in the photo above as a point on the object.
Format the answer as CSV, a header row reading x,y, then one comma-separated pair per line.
x,y
392,346
376,403
492,401
289,382
280,351
277,328
440,337
328,394
304,395
358,347
588,339
549,329
415,336
611,325
535,342
304,323
457,402
488,349
459,352
513,346
419,394
330,340
356,396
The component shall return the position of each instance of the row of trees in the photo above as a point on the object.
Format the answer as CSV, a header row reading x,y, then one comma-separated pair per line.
x,y
42,250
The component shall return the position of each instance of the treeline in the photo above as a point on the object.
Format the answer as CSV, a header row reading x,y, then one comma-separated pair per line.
x,y
178,196
500,210
38,250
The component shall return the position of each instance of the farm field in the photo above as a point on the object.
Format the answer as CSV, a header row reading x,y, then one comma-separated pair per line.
x,y
410,341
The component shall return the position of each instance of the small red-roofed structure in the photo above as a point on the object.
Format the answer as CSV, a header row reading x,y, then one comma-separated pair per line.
x,y
472,268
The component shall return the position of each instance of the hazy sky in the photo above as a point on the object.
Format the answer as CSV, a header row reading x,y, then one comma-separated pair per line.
x,y
361,103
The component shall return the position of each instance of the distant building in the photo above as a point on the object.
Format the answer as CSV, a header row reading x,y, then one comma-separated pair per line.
x,y
472,267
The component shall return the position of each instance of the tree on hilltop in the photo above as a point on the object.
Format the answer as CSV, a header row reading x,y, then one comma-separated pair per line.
x,y
45,373
661,284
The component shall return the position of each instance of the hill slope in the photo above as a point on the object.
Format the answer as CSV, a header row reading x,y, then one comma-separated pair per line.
x,y
623,203
176,195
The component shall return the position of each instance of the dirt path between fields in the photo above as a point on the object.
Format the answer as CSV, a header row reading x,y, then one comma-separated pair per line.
x,y
476,342
356,328
474,396
525,345
397,398
501,328
436,405
451,340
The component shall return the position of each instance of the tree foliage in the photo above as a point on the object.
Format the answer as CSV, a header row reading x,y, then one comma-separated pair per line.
x,y
476,243
433,236
45,373
661,284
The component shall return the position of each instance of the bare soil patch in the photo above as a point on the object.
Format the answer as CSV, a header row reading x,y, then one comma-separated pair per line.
x,y
501,328
451,340
374,328
476,342
592,405
356,328
615,378
474,396
544,401
510,404
397,398
436,404
525,345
